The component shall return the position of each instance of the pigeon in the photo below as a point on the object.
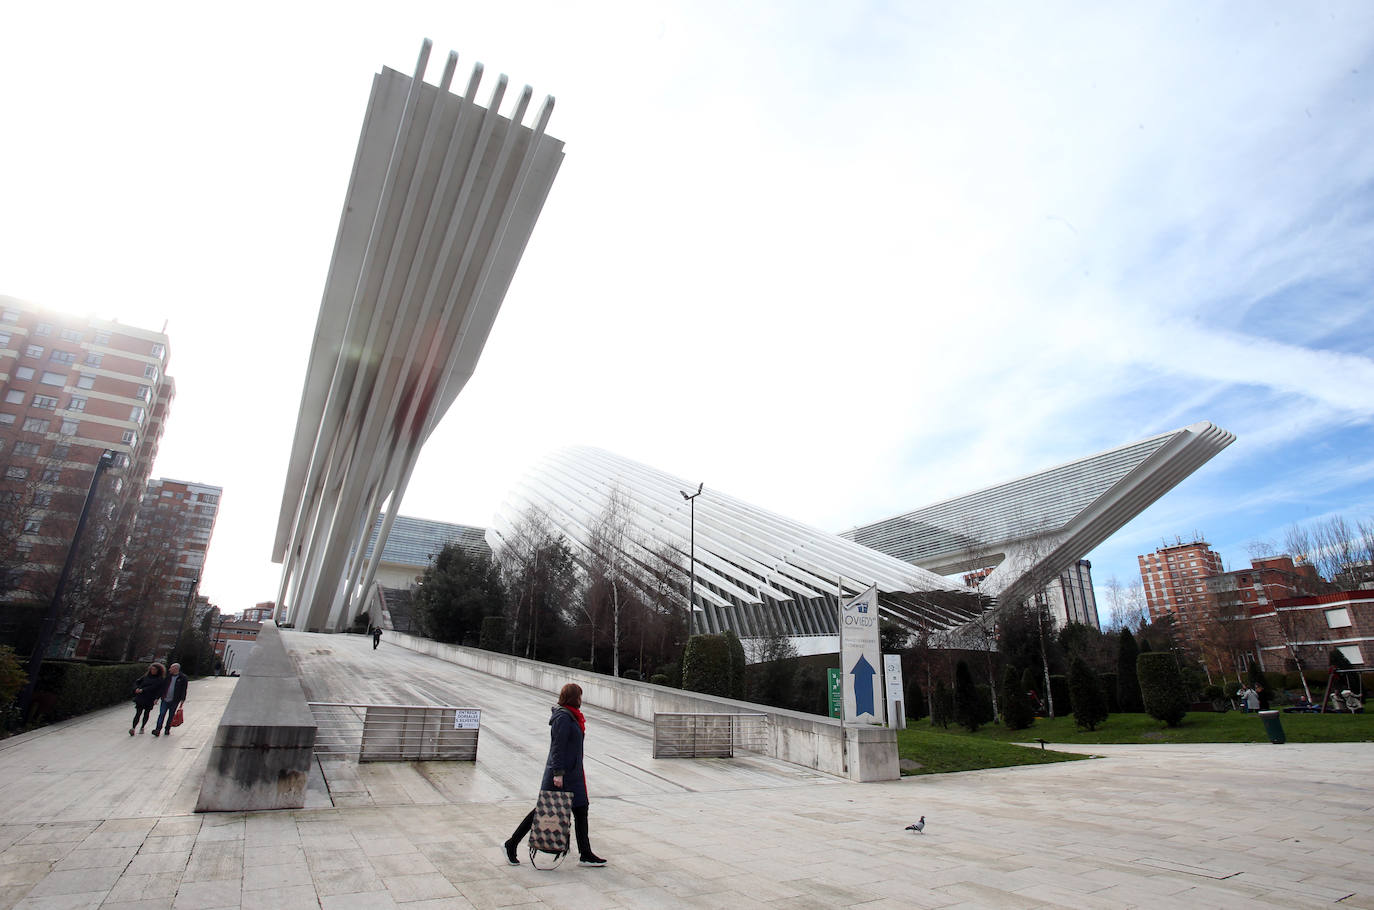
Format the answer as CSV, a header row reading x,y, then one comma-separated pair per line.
x,y
919,827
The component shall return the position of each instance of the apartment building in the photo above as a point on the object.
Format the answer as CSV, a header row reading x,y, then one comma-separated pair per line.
x,y
1175,579
167,550
71,388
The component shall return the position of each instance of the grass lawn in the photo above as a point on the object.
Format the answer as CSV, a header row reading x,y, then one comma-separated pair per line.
x,y
942,751
955,749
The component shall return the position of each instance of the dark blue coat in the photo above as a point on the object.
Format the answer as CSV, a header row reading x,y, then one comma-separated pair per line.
x,y
153,687
565,756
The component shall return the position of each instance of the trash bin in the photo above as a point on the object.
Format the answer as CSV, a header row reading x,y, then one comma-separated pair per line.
x,y
1273,727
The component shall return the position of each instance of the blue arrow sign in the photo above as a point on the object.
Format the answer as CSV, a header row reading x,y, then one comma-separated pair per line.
x,y
863,674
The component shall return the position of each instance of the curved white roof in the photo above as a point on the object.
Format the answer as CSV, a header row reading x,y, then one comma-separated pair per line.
x,y
747,558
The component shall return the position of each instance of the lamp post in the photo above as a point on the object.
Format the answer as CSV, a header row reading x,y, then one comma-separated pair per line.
x,y
107,459
692,575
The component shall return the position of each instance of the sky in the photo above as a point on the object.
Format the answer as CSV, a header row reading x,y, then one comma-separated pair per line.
x,y
837,260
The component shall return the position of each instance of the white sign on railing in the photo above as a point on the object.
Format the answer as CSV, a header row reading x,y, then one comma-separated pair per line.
x,y
467,718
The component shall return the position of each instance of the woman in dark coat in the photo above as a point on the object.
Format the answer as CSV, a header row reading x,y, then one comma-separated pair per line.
x,y
563,771
147,691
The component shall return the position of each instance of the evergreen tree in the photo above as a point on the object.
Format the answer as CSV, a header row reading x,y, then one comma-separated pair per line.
x,y
706,665
915,706
1127,683
737,665
942,706
1089,707
967,712
1161,687
1017,711
457,591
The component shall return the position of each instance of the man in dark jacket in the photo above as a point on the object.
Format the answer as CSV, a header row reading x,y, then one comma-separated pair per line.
x,y
171,699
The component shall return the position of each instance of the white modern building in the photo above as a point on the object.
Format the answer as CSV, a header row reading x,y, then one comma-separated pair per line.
x,y
444,195
753,568
1032,530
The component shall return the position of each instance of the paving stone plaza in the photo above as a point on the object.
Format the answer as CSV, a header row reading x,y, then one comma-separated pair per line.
x,y
91,817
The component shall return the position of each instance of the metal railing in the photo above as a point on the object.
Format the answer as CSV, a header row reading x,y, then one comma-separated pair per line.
x,y
396,732
709,735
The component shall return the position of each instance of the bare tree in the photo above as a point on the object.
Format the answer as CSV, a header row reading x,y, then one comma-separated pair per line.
x,y
541,579
608,562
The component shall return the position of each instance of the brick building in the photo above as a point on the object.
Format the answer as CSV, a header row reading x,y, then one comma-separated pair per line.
x,y
1175,580
72,388
165,557
1314,626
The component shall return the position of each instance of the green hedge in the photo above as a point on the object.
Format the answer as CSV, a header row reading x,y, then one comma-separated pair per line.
x,y
68,688
1161,686
706,665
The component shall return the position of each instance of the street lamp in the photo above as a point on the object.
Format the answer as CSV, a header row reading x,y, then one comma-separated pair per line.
x,y
107,460
692,575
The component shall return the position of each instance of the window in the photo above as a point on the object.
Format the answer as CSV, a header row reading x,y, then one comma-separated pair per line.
x,y
136,414
35,425
45,402
34,350
43,328
77,403
52,475
42,498
61,450
129,437
1338,618
57,379
158,351
32,526
71,335
85,382
23,547
5,339
7,420
150,371
102,338
9,316
26,448
1352,653
62,357
16,473
23,373
69,427
14,396
93,359
144,392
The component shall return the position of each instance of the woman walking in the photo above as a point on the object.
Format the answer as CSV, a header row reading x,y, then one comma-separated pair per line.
x,y
147,691
563,771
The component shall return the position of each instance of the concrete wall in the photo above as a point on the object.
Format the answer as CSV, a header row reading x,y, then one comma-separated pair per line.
x,y
264,747
803,739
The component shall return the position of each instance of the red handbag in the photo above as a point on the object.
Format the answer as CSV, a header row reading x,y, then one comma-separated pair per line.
x,y
177,718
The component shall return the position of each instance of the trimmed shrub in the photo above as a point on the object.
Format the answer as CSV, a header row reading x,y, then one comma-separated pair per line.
x,y
1017,711
1085,692
1161,687
575,663
493,637
631,674
1107,682
1059,688
942,705
915,705
12,677
737,665
68,688
967,712
706,665
986,712
659,679
361,623
1127,685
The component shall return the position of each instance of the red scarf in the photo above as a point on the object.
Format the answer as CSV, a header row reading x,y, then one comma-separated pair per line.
x,y
577,716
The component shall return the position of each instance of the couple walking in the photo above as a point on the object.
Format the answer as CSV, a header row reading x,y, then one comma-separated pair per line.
x,y
164,688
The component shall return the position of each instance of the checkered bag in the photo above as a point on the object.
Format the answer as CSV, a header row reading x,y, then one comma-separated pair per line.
x,y
552,821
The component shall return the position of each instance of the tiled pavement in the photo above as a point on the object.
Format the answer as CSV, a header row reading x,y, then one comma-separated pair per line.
x,y
90,817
